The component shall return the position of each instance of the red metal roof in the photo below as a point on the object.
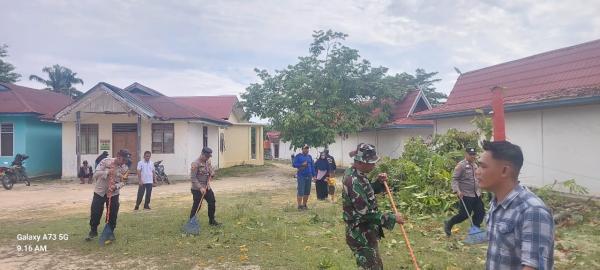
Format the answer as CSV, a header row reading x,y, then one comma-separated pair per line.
x,y
400,113
20,99
170,108
560,74
218,106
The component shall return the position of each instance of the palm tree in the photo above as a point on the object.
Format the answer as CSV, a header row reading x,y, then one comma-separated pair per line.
x,y
61,80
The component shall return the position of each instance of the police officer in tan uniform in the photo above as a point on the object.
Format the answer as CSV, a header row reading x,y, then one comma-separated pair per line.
x,y
467,189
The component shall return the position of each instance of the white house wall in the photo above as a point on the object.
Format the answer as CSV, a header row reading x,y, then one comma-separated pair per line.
x,y
558,144
188,142
389,143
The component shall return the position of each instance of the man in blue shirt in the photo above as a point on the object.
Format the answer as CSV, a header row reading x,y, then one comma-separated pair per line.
x,y
520,226
306,173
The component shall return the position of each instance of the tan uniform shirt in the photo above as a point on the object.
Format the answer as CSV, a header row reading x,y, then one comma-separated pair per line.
x,y
463,179
200,173
104,172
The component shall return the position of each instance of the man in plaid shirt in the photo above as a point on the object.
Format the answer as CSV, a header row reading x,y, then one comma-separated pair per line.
x,y
520,226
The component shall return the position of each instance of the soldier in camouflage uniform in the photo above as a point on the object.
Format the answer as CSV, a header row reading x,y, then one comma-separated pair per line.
x,y
364,221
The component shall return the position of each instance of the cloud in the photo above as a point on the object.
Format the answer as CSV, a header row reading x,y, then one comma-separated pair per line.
x,y
212,46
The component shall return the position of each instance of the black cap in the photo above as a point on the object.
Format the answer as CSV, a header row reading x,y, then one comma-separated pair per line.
x,y
206,151
124,153
471,150
305,146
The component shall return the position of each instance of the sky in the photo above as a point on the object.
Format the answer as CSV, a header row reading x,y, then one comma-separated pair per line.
x,y
183,48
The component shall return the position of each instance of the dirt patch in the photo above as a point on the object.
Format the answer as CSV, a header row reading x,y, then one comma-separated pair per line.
x,y
45,199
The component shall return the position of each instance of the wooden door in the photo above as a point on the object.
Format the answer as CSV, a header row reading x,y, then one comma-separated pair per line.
x,y
127,140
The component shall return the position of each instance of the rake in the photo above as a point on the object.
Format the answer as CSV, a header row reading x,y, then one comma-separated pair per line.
x,y
410,250
192,226
476,235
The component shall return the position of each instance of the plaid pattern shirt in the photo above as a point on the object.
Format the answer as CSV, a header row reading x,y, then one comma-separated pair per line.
x,y
521,232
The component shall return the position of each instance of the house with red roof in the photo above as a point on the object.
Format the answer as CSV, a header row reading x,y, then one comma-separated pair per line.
x,y
389,138
27,127
174,129
552,110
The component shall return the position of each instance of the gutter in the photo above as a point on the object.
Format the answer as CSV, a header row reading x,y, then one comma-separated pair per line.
x,y
214,123
516,107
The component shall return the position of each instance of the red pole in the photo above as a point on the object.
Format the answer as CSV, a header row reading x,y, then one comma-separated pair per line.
x,y
498,117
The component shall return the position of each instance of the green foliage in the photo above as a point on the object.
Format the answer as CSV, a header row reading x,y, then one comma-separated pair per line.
x,y
6,69
453,143
551,192
61,80
329,92
483,124
420,179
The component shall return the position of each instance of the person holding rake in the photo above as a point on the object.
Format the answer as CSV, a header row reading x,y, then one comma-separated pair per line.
x,y
108,178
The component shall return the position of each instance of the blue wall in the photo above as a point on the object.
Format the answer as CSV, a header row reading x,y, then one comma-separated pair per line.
x,y
19,124
41,141
44,147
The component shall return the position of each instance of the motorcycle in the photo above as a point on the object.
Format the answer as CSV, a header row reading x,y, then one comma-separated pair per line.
x,y
15,173
159,172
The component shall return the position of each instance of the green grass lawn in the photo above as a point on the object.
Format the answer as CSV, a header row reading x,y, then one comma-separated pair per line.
x,y
265,229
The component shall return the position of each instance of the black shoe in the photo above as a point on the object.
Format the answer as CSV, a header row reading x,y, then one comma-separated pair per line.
x,y
447,228
136,208
147,208
91,235
300,207
214,223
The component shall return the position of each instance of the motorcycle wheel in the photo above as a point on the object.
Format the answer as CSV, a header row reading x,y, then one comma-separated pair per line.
x,y
7,183
166,179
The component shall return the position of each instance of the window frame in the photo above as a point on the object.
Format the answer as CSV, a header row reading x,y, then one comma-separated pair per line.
x,y
162,127
85,130
12,138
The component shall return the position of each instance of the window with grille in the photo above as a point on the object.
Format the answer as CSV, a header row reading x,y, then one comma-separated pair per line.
x,y
6,139
163,138
88,139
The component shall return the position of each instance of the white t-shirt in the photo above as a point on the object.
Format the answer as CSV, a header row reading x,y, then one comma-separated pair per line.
x,y
146,170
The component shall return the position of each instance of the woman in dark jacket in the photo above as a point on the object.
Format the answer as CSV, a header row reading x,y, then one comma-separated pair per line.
x,y
322,167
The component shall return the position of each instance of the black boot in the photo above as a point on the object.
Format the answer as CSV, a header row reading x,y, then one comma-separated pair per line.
x,y
214,222
447,228
91,235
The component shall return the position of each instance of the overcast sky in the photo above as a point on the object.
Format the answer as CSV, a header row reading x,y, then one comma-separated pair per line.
x,y
211,47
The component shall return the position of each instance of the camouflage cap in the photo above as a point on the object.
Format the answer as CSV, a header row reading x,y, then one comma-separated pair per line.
x,y
366,153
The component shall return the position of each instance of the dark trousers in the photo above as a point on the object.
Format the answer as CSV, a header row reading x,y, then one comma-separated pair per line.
x,y
474,205
321,187
141,189
98,203
210,199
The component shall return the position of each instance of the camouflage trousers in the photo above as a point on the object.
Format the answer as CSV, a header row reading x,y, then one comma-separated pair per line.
x,y
363,242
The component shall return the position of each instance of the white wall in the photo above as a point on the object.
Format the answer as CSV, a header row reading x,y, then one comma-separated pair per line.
x,y
558,144
389,143
188,142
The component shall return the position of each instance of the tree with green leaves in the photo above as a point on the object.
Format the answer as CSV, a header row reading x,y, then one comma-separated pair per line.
x,y
330,91
61,80
6,69
424,80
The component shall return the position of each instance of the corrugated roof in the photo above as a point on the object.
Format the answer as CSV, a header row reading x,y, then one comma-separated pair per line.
x,y
169,108
571,72
20,99
218,106
401,116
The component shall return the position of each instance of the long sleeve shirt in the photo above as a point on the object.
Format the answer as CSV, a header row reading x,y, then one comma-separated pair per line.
x,y
304,171
109,174
360,204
